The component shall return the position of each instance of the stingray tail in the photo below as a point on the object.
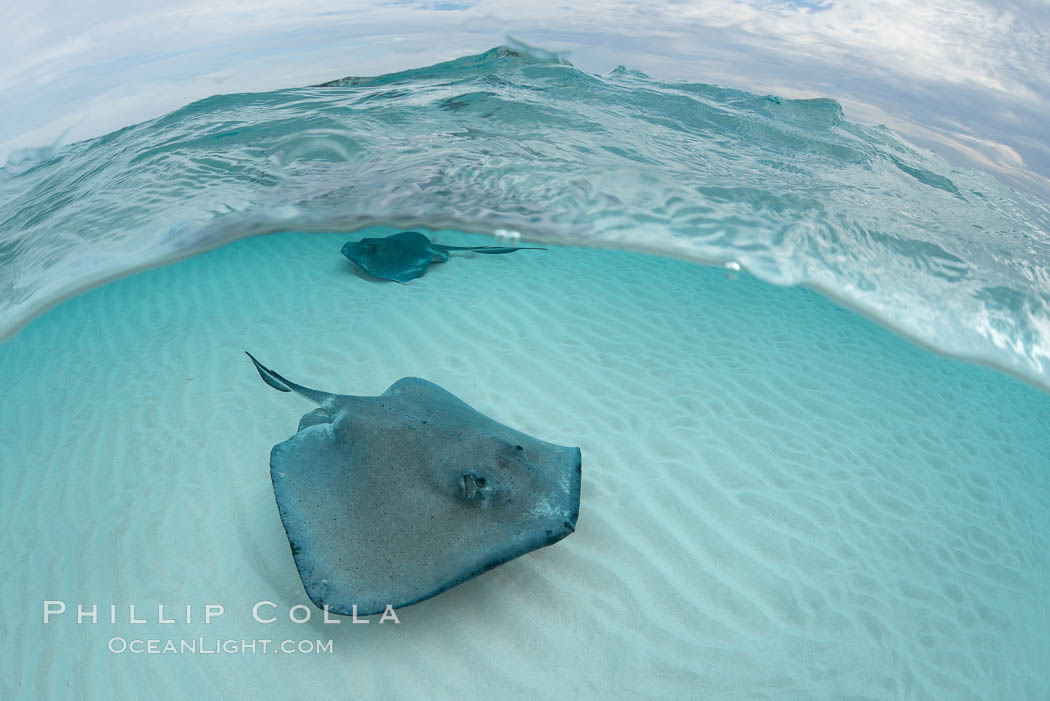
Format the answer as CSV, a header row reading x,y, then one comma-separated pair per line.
x,y
282,385
491,250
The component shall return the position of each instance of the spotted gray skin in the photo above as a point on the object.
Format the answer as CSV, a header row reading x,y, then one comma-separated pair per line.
x,y
396,498
407,255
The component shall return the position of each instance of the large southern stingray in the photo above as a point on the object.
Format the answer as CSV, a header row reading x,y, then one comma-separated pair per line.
x,y
407,255
396,498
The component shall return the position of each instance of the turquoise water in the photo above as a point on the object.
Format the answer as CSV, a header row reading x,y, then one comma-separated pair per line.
x,y
782,498
510,140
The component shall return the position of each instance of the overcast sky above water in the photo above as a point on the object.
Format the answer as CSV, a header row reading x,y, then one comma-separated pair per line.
x,y
969,78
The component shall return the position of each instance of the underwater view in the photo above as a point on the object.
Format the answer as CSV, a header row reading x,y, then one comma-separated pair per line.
x,y
501,378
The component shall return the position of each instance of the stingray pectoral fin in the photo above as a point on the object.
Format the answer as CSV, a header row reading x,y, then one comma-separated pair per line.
x,y
283,385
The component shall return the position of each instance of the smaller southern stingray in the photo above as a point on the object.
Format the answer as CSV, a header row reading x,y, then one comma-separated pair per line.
x,y
393,499
406,256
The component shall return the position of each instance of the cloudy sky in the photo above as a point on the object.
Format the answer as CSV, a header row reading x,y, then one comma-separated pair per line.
x,y
969,78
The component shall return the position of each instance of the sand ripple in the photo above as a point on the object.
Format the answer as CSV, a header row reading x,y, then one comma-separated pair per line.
x,y
780,499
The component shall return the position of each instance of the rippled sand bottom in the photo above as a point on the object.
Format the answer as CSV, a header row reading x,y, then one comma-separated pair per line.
x,y
781,500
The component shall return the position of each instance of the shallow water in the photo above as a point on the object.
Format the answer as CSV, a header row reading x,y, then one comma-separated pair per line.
x,y
781,499
789,189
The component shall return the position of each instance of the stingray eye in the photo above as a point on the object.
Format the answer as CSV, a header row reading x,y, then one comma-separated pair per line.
x,y
472,487
370,248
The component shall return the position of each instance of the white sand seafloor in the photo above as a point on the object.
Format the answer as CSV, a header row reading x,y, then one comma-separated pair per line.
x,y
781,500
